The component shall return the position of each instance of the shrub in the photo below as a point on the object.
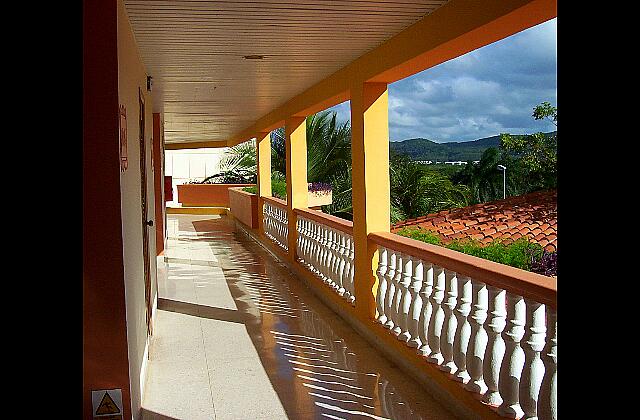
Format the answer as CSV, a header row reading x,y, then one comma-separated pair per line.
x,y
423,235
279,188
522,253
545,263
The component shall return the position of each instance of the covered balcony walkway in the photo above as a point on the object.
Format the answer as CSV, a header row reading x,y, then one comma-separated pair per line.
x,y
238,336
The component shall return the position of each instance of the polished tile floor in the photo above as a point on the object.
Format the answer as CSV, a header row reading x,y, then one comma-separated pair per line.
x,y
237,336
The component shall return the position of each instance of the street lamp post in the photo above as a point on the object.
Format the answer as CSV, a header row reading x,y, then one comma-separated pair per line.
x,y
504,180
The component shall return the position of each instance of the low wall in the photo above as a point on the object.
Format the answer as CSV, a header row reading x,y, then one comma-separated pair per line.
x,y
244,207
212,195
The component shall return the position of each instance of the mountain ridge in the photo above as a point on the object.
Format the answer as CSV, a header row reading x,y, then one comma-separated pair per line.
x,y
424,149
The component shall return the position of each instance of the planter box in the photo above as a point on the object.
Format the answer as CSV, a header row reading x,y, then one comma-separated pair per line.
x,y
206,195
244,206
317,200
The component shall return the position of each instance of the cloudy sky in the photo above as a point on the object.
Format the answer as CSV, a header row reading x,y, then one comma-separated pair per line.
x,y
486,92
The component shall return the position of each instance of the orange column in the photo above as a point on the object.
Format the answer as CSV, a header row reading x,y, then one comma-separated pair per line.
x,y
104,343
263,168
371,186
158,180
297,190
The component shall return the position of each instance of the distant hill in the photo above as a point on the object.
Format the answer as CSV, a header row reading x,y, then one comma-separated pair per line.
x,y
425,149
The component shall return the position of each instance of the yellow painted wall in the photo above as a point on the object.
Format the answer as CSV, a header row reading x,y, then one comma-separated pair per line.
x,y
132,76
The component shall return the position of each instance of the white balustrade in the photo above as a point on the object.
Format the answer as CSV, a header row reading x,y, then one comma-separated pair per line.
x,y
275,223
500,345
328,253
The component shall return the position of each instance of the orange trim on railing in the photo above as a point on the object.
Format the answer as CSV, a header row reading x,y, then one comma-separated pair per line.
x,y
275,201
524,283
334,222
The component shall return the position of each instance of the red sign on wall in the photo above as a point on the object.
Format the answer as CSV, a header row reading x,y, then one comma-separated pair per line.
x,y
124,164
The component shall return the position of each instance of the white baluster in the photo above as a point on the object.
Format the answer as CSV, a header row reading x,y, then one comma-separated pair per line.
x,y
495,344
347,269
335,261
437,315
425,314
316,247
415,310
382,284
547,399
397,296
463,330
450,322
509,383
341,264
478,339
405,302
352,290
533,371
330,255
286,230
391,288
305,240
325,254
299,238
266,220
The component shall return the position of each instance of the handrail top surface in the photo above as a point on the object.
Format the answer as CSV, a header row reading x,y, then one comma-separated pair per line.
x,y
326,219
275,201
538,287
240,190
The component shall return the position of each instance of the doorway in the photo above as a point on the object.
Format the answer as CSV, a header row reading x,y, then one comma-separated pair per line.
x,y
145,223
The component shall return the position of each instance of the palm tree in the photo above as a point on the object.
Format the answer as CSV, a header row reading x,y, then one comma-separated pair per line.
x,y
328,148
485,180
417,191
238,165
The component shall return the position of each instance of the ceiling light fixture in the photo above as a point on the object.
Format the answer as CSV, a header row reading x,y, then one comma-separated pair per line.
x,y
253,57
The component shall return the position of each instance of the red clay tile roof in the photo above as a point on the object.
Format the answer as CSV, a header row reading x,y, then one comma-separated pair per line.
x,y
532,215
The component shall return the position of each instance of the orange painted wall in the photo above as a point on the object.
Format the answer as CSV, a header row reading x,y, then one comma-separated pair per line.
x,y
244,207
206,194
105,348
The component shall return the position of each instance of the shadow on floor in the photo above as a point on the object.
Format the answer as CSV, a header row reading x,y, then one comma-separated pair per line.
x,y
318,366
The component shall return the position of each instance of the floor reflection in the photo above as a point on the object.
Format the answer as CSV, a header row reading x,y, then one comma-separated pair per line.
x,y
318,366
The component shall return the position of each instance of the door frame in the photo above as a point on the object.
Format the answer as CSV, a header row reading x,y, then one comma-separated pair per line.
x,y
144,209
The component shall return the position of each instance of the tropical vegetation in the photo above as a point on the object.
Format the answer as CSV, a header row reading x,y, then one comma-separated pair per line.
x,y
531,162
417,189
522,253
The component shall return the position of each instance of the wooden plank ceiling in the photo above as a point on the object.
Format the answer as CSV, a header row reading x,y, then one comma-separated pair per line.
x,y
195,50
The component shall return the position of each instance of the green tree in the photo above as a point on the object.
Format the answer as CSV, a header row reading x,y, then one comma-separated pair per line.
x,y
417,191
328,148
237,166
537,152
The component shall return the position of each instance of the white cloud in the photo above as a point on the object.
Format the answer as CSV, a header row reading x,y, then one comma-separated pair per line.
x,y
486,92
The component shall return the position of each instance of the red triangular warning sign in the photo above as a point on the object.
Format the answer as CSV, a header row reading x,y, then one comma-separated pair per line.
x,y
107,406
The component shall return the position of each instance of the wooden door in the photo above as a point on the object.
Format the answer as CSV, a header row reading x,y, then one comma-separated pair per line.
x,y
145,223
